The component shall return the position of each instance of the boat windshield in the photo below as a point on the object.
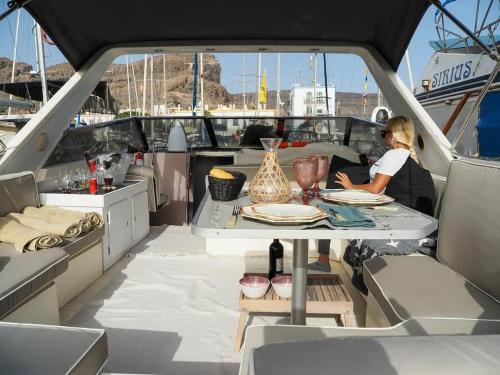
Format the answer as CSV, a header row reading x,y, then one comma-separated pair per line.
x,y
218,133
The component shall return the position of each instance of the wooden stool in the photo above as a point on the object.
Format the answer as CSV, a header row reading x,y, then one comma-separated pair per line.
x,y
326,295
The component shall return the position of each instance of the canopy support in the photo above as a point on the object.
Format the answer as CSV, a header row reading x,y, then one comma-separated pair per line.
x,y
492,54
12,6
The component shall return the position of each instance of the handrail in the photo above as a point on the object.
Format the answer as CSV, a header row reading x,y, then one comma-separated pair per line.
x,y
492,54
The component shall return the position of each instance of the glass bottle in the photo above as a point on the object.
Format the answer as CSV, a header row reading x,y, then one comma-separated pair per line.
x,y
275,259
270,184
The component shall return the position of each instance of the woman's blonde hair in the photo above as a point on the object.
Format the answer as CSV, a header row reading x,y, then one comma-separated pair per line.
x,y
403,133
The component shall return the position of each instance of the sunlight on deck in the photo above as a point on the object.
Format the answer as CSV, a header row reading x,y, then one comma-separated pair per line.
x,y
170,308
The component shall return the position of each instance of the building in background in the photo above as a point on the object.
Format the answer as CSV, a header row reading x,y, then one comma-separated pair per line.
x,y
311,101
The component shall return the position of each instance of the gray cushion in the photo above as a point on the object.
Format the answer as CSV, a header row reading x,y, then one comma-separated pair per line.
x,y
38,349
17,191
420,287
23,274
422,355
439,188
469,234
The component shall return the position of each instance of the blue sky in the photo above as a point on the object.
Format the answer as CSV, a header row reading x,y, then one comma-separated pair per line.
x,y
345,71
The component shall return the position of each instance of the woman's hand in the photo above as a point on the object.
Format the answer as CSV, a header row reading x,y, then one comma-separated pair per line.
x,y
344,180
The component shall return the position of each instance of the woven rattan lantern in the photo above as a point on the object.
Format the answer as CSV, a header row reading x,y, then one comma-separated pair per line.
x,y
270,183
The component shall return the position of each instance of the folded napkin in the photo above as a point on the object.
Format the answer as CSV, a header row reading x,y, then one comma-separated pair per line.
x,y
42,225
346,216
62,216
24,238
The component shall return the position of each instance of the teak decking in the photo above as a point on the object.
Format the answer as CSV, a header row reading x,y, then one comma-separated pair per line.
x,y
326,295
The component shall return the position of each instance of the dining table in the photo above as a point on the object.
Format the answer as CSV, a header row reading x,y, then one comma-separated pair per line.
x,y
393,221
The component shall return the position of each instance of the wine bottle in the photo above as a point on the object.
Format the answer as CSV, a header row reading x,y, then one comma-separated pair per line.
x,y
275,259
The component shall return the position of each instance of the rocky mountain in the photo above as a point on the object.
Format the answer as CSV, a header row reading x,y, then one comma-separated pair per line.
x,y
172,86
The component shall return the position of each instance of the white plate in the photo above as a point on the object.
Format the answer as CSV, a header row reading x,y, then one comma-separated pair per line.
x,y
249,213
286,210
356,197
285,221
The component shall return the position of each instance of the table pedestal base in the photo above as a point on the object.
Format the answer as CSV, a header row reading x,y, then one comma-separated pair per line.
x,y
299,282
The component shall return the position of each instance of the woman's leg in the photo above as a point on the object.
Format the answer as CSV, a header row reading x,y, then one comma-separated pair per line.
x,y
323,262
358,174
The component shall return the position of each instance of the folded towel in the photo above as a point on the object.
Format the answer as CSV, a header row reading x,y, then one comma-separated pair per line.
x,y
42,225
95,219
346,216
61,215
24,238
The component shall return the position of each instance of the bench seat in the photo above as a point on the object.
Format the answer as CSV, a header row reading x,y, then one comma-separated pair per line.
x,y
43,349
430,355
24,274
463,281
420,287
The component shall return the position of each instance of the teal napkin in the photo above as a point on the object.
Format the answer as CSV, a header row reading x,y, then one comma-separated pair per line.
x,y
353,217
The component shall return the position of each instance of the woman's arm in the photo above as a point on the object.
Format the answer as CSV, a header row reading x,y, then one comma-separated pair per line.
x,y
378,184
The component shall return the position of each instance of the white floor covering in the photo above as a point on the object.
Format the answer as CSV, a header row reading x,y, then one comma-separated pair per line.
x,y
170,314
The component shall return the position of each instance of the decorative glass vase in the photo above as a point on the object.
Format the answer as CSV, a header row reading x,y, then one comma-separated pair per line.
x,y
270,184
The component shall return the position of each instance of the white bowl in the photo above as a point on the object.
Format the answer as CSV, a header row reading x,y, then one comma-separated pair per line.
x,y
282,285
254,286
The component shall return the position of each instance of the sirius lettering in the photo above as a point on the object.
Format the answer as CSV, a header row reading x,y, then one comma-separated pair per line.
x,y
450,75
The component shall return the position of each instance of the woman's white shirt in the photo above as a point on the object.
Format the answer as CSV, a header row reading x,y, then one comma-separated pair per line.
x,y
390,163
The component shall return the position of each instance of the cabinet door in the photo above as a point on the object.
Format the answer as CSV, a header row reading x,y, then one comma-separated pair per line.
x,y
119,228
140,216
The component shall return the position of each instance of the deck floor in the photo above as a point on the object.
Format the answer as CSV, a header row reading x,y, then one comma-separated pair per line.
x,y
169,308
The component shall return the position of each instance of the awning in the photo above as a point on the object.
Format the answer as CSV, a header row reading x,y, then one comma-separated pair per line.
x,y
81,28
32,90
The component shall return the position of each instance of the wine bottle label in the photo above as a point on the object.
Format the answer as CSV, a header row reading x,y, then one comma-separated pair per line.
x,y
279,265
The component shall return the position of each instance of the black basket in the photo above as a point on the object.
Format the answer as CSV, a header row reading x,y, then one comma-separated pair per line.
x,y
224,190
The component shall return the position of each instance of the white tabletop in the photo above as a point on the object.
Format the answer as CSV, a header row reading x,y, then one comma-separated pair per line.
x,y
404,223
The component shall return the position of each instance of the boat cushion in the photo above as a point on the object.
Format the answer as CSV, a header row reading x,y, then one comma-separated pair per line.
x,y
41,349
469,235
17,190
411,355
23,274
408,287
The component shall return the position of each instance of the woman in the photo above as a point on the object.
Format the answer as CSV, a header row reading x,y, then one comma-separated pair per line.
x,y
397,172
399,136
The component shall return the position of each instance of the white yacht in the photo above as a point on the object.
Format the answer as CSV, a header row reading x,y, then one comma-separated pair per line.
x,y
455,74
151,287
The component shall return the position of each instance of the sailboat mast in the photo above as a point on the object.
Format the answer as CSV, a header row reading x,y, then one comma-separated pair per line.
x,y
202,102
195,82
13,75
152,87
410,74
135,85
165,82
326,86
257,91
144,85
41,61
315,66
278,72
244,81
128,89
